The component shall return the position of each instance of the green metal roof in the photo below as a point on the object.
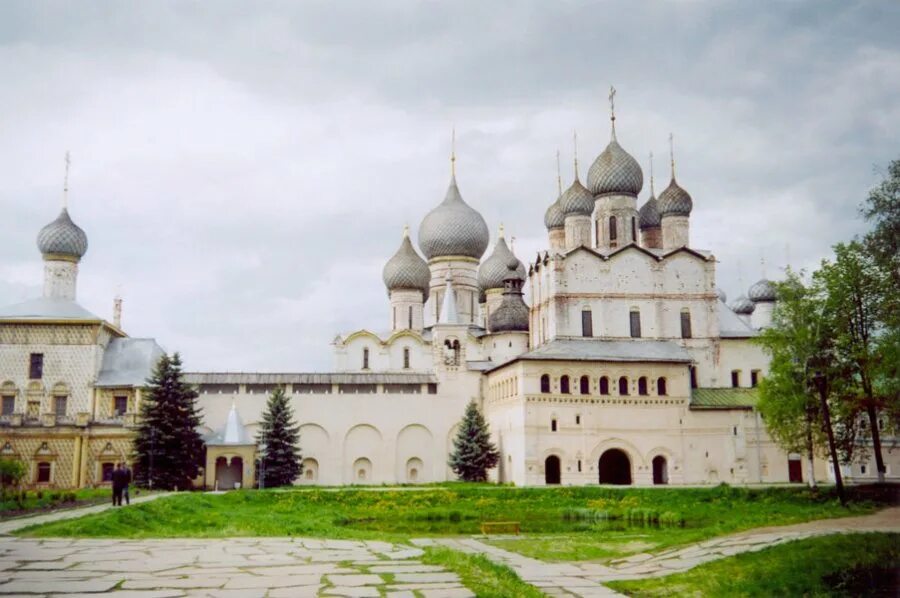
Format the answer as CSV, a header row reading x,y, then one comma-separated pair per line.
x,y
724,398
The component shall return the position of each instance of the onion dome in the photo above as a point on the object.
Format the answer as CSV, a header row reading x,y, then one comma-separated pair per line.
x,y
675,201
453,228
615,171
577,200
62,238
762,291
742,306
512,313
554,216
720,294
406,270
648,215
494,271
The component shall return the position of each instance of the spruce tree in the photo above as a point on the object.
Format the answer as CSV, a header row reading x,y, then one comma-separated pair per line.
x,y
473,452
168,448
280,463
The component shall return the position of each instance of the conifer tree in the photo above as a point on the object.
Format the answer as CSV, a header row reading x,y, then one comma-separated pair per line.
x,y
168,448
280,463
473,452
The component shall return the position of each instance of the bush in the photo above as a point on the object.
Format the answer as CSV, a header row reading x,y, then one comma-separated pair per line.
x,y
11,472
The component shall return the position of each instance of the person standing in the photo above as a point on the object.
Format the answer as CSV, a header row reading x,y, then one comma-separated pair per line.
x,y
117,485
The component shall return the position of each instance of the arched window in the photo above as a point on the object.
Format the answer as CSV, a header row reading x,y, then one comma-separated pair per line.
x,y
661,387
623,386
635,322
394,317
43,472
604,385
553,425
545,383
587,323
585,385
642,385
685,323
598,235
564,385
409,323
693,377
633,230
405,358
613,234
365,358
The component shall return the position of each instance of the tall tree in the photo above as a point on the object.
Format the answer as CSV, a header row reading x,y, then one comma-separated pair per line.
x,y
168,448
473,452
856,291
789,401
882,208
280,462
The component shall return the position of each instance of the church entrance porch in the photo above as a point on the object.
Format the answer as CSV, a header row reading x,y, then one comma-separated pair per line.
x,y
660,470
551,470
614,468
229,473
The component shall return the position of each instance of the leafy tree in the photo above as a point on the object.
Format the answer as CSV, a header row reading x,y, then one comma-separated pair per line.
x,y
280,463
473,452
856,295
789,401
11,472
168,448
882,208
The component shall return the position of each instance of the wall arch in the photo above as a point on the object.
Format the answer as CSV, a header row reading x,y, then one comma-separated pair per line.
x,y
363,441
415,441
310,473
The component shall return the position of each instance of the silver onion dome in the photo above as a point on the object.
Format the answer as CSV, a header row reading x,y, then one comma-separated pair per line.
x,y
494,271
742,306
721,296
512,313
554,216
453,228
62,237
577,200
406,270
675,201
648,215
615,171
762,291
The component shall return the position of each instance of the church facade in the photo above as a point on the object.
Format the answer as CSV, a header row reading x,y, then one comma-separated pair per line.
x,y
627,367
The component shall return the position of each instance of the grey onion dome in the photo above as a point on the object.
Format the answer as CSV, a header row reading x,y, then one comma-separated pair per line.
x,y
554,217
576,200
742,306
63,237
407,270
453,228
512,313
494,270
675,201
762,291
615,171
720,295
648,215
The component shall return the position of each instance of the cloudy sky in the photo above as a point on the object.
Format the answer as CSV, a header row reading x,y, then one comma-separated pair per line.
x,y
244,170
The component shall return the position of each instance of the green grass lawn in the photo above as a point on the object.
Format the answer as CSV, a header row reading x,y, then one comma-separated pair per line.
x,y
12,504
839,565
486,579
558,523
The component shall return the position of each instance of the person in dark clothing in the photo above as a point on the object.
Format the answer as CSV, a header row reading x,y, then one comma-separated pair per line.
x,y
126,481
117,478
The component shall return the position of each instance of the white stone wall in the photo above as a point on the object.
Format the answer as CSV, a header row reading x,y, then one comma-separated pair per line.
x,y
407,310
60,279
624,208
464,273
675,232
384,355
578,232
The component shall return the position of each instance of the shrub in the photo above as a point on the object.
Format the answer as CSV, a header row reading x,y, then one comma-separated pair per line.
x,y
11,472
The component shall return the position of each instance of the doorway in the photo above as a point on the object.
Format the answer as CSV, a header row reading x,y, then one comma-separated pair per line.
x,y
614,468
551,470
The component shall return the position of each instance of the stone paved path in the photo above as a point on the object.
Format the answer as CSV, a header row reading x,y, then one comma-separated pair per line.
x,y
10,525
239,567
587,579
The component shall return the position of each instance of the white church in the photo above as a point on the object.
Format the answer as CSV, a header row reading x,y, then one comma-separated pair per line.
x,y
628,367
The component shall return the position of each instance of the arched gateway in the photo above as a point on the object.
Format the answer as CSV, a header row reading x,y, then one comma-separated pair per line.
x,y
551,470
614,468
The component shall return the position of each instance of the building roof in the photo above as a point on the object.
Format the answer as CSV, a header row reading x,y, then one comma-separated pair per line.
x,y
724,398
44,308
316,378
128,362
596,349
731,325
453,228
233,433
62,237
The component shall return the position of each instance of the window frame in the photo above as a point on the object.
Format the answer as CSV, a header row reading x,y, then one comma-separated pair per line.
x,y
587,323
686,329
634,322
36,366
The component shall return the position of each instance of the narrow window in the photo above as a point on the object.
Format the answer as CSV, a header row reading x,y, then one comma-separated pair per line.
x,y
579,466
36,366
587,323
613,235
120,406
862,469
553,425
734,430
642,385
9,405
564,385
365,358
394,318
604,385
405,358
597,232
106,472
60,406
635,323
623,386
633,230
432,388
43,472
735,378
585,385
409,318
693,377
754,378
661,387
545,383
577,420
685,324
